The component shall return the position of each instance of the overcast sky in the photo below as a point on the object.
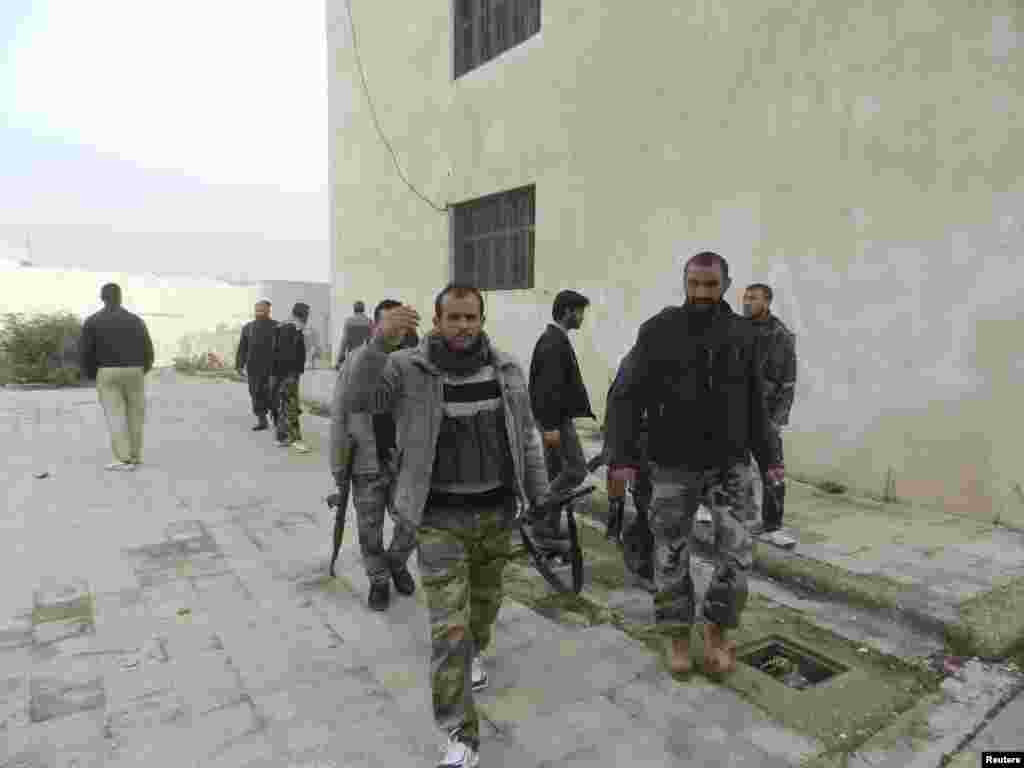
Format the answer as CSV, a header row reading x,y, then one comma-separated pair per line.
x,y
176,137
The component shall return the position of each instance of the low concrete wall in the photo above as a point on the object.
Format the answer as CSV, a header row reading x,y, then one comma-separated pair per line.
x,y
317,385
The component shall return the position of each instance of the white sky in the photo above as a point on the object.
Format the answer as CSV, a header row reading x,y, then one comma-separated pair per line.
x,y
202,120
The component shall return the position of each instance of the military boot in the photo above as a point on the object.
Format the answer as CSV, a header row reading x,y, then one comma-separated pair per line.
x,y
719,653
678,656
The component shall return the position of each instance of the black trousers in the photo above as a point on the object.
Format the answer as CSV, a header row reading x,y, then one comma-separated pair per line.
x,y
259,391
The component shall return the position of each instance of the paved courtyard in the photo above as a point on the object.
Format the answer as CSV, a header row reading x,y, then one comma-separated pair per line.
x,y
181,616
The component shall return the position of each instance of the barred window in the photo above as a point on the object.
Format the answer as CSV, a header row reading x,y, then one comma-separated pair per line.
x,y
493,240
486,28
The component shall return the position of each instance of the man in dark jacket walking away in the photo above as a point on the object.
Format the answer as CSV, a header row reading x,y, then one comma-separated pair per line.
x,y
778,345
117,352
256,357
557,396
354,333
695,370
289,365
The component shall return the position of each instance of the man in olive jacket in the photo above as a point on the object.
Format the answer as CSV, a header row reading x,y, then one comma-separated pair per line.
x,y
468,451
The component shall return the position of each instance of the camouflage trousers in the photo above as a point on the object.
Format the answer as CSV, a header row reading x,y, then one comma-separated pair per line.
x,y
677,494
370,494
462,555
286,397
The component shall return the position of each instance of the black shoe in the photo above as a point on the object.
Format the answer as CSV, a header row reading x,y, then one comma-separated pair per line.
x,y
765,528
616,513
380,596
404,582
261,424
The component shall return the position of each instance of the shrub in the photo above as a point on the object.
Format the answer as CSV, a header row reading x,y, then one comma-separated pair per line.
x,y
35,348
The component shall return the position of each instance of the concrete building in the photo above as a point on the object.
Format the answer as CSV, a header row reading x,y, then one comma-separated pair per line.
x,y
865,160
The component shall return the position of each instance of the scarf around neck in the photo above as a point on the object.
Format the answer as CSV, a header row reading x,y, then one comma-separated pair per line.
x,y
459,363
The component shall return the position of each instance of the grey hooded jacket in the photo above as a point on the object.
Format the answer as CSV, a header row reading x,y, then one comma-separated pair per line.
x,y
408,385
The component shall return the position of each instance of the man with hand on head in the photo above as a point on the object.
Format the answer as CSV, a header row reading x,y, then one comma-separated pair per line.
x,y
364,452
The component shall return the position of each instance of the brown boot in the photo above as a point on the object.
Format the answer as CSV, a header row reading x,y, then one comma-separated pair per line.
x,y
719,653
678,653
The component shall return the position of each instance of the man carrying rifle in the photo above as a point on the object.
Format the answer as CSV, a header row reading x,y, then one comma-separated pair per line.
x,y
363,453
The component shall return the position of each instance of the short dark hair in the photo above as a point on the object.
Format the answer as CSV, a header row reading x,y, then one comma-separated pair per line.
x,y
709,259
386,304
359,307
301,310
459,290
766,290
111,294
567,301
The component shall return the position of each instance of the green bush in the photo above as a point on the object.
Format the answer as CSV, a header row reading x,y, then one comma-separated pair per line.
x,y
65,377
36,348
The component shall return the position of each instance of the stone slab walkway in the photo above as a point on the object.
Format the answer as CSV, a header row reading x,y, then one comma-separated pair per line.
x,y
181,616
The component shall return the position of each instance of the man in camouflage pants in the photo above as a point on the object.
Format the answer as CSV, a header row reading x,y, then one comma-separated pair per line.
x,y
363,453
778,346
289,364
695,371
469,452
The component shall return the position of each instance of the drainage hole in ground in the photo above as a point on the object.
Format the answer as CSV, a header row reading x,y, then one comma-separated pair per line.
x,y
790,665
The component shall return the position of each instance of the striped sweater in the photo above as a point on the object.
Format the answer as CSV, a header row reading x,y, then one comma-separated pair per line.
x,y
473,454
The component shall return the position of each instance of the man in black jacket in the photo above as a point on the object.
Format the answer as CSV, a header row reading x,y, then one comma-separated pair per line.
x,y
256,357
557,396
289,365
117,352
695,369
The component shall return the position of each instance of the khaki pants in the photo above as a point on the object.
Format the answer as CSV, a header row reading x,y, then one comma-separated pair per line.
x,y
122,393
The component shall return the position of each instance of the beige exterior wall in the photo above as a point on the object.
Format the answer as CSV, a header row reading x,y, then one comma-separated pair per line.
x,y
864,160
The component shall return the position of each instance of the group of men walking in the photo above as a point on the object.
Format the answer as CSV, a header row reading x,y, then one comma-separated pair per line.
x,y
272,356
450,436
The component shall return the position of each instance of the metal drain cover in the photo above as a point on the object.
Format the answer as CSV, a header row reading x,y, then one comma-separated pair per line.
x,y
790,664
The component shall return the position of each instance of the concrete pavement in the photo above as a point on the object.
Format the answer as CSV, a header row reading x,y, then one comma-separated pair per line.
x,y
181,615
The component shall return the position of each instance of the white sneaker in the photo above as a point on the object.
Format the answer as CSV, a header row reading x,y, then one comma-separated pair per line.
x,y
457,754
119,466
300,447
479,675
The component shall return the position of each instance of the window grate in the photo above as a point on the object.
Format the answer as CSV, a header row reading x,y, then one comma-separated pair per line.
x,y
484,29
494,241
